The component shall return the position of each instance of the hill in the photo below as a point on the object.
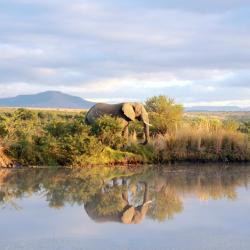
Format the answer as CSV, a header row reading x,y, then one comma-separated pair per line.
x,y
48,99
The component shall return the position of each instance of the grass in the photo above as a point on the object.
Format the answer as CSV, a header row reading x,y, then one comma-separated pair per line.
x,y
240,116
110,156
192,144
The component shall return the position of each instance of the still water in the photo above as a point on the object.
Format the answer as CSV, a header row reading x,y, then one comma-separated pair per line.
x,y
176,207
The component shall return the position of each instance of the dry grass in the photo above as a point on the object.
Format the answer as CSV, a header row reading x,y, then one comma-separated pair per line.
x,y
236,116
65,110
196,143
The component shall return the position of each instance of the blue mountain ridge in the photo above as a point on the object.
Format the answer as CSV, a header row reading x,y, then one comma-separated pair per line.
x,y
48,99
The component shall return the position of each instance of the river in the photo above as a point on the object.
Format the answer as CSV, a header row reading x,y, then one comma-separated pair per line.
x,y
183,206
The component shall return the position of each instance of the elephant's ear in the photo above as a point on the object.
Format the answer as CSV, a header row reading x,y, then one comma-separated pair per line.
x,y
128,215
128,111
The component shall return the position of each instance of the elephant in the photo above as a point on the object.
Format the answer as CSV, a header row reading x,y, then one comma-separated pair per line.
x,y
127,111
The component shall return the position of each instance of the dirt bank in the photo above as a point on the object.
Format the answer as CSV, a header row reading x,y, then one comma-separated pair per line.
x,y
5,161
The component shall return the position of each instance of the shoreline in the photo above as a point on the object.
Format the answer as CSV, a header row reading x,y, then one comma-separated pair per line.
x,y
132,165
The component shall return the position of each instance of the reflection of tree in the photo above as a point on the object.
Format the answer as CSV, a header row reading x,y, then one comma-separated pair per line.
x,y
120,194
166,204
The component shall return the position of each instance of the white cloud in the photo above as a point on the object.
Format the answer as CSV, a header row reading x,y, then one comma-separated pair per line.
x,y
116,50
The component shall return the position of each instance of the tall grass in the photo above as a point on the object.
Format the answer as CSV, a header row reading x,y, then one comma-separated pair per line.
x,y
201,143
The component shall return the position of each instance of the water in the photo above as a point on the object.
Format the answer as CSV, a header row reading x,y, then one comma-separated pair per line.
x,y
178,207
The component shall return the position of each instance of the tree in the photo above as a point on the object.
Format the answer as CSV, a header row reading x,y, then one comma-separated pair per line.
x,y
164,113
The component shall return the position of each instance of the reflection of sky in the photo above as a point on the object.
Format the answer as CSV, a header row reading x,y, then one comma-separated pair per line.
x,y
212,224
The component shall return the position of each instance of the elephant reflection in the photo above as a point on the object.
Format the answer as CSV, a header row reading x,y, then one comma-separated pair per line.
x,y
112,204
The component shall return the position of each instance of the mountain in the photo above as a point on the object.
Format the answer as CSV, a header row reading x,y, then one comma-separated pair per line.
x,y
48,99
216,109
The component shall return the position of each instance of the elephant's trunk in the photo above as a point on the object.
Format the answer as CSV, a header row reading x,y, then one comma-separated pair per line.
x,y
146,132
144,118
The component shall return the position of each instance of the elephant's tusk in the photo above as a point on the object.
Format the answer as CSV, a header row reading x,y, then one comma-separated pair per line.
x,y
148,202
150,125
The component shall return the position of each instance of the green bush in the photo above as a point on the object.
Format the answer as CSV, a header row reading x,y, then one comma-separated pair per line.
x,y
109,131
164,114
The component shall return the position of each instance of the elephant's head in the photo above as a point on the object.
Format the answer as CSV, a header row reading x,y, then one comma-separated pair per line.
x,y
136,111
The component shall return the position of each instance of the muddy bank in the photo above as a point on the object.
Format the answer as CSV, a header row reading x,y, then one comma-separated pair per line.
x,y
5,161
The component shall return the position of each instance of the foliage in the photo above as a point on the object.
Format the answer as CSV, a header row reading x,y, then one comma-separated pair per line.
x,y
164,114
245,128
231,125
146,151
61,139
56,138
109,131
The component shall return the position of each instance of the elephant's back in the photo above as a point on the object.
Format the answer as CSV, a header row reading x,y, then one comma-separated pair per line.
x,y
108,108
101,109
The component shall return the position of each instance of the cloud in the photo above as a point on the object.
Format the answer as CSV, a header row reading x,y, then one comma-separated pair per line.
x,y
116,50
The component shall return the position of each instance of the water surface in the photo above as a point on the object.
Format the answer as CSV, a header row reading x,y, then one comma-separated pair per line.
x,y
177,207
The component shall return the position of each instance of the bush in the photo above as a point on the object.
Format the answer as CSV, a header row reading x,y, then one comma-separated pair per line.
x,y
71,142
164,114
109,131
24,114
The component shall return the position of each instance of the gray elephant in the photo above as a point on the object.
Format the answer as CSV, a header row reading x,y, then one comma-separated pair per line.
x,y
128,111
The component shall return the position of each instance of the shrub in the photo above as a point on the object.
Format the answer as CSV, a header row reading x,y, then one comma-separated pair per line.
x,y
164,114
23,114
109,132
231,125
72,142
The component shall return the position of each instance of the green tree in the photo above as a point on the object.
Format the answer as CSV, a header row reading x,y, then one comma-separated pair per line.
x,y
164,113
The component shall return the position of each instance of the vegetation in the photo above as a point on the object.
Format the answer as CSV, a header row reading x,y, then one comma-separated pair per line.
x,y
55,139
61,138
164,114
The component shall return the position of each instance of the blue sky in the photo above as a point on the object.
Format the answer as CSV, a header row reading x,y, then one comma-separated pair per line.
x,y
197,52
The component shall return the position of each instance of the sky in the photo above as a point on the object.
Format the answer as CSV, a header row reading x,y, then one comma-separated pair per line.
x,y
197,52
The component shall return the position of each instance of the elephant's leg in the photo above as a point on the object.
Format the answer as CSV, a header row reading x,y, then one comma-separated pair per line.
x,y
125,131
125,191
115,183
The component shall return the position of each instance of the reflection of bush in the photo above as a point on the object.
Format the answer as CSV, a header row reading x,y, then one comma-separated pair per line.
x,y
107,193
166,204
108,202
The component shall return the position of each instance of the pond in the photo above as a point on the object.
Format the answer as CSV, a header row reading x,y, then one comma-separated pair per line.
x,y
172,207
